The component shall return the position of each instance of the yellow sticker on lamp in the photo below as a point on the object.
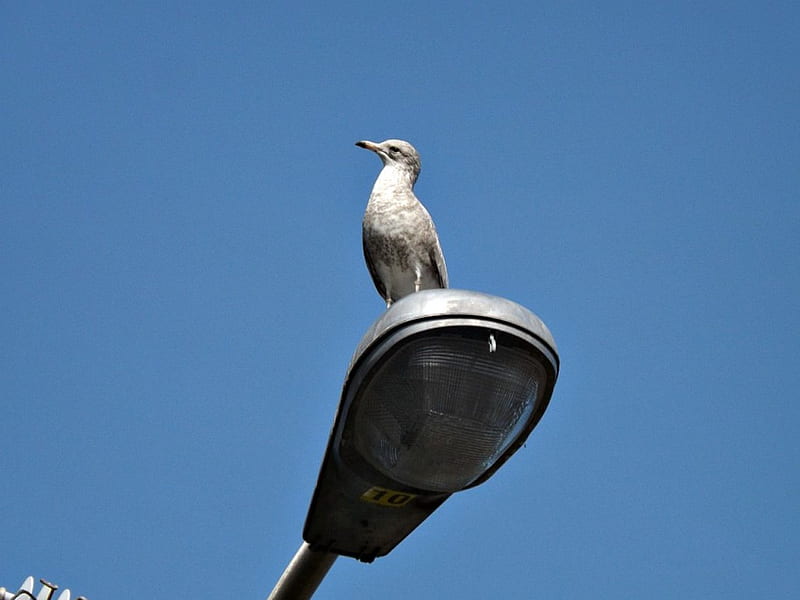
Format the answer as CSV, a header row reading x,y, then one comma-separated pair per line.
x,y
386,497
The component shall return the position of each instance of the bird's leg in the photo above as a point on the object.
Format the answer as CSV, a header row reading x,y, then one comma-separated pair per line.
x,y
388,302
418,280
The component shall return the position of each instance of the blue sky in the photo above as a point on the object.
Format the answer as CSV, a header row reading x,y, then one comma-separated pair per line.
x,y
182,286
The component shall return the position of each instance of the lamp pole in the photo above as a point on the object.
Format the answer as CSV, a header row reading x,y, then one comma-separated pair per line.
x,y
303,574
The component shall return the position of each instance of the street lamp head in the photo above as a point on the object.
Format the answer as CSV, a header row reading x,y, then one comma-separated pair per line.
x,y
441,391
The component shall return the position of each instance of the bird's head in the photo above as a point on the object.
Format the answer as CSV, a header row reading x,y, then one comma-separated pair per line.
x,y
396,153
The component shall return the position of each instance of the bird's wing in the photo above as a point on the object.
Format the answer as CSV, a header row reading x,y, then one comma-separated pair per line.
x,y
437,261
372,270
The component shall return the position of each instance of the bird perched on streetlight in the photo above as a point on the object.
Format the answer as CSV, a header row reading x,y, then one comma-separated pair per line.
x,y
401,246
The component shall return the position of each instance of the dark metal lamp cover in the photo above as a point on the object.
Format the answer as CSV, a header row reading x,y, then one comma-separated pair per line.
x,y
441,391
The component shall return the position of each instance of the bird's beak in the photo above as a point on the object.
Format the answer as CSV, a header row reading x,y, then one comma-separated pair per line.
x,y
368,145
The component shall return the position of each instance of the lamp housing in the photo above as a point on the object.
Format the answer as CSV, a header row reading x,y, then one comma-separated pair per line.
x,y
443,388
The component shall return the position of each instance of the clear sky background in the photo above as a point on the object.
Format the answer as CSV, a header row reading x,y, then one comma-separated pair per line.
x,y
182,286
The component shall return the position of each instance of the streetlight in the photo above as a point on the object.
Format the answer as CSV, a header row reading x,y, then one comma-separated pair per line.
x,y
443,388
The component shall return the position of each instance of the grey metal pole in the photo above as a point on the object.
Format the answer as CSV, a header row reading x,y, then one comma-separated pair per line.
x,y
303,575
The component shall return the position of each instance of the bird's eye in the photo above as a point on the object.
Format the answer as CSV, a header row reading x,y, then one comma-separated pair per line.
x,y
394,149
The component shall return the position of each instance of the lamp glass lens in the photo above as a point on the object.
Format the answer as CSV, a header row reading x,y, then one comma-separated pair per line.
x,y
442,408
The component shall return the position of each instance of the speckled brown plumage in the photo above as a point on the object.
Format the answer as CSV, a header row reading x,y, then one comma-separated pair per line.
x,y
401,246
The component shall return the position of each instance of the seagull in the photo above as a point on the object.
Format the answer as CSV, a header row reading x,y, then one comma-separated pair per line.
x,y
401,246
